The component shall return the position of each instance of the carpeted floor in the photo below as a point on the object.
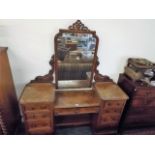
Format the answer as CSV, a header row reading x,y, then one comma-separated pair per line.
x,y
82,130
86,130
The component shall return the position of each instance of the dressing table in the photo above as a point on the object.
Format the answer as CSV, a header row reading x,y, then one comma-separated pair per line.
x,y
73,92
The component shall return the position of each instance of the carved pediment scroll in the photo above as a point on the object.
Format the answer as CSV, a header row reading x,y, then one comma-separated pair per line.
x,y
79,26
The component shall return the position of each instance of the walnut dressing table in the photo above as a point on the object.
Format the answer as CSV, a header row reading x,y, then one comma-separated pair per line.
x,y
79,95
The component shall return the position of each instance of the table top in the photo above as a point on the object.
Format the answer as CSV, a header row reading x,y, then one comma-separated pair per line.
x,y
110,91
70,99
38,92
45,92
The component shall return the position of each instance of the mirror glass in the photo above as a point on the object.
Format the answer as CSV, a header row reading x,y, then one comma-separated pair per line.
x,y
75,56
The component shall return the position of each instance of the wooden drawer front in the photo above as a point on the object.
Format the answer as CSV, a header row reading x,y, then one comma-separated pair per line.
x,y
139,120
74,111
112,110
109,120
43,114
33,107
151,102
41,130
38,123
137,102
151,93
143,101
142,92
147,102
114,104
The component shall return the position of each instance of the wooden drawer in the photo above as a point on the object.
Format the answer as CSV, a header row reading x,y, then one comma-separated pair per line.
x,y
109,120
38,123
139,120
113,104
42,114
74,111
112,110
142,92
34,107
41,130
110,117
139,101
151,93
151,102
143,101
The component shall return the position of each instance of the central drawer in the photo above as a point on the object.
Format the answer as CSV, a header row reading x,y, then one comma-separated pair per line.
x,y
75,111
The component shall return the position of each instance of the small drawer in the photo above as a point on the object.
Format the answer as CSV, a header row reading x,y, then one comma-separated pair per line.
x,y
40,130
42,114
110,120
114,104
74,111
110,117
34,107
112,110
38,123
108,124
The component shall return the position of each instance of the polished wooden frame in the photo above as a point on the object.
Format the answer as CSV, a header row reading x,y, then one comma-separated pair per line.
x,y
77,27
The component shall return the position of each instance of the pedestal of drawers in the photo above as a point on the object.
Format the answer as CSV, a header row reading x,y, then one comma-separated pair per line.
x,y
112,102
108,118
38,118
37,102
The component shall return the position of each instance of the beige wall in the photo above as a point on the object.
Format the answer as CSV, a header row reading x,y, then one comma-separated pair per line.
x,y
30,44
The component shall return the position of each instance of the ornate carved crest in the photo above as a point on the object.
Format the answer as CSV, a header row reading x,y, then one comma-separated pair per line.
x,y
79,26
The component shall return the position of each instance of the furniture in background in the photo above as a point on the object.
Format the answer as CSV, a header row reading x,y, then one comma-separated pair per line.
x,y
138,82
9,111
139,110
84,97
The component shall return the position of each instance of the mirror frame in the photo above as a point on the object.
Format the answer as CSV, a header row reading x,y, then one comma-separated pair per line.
x,y
77,27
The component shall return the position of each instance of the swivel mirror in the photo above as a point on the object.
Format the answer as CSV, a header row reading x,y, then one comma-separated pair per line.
x,y
75,60
75,56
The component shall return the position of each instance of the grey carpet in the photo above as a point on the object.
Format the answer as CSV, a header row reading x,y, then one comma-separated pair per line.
x,y
82,130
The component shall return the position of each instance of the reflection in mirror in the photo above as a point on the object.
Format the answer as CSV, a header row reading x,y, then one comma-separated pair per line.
x,y
75,55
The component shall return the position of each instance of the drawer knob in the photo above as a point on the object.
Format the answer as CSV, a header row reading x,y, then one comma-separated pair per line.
x,y
76,105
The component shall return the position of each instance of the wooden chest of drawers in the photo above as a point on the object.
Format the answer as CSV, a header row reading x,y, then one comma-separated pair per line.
x,y
140,108
37,107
